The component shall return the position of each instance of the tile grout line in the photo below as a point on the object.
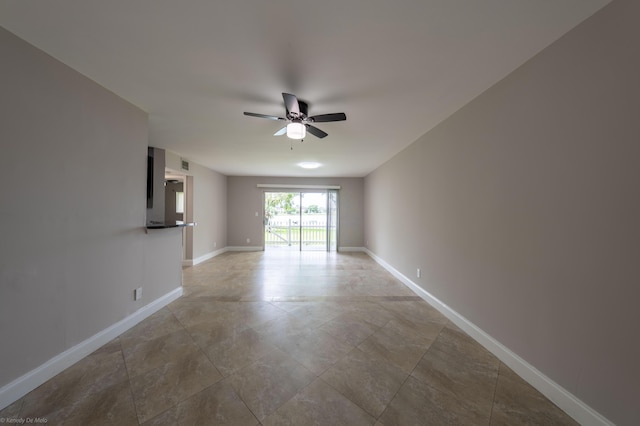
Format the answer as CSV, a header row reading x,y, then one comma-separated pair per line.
x,y
495,391
133,398
412,370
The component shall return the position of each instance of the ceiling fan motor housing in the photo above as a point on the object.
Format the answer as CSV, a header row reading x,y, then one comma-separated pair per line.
x,y
304,111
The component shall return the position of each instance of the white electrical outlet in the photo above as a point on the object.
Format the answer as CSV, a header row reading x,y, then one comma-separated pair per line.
x,y
418,273
248,240
137,293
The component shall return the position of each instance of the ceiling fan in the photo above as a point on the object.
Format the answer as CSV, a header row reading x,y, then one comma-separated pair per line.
x,y
299,120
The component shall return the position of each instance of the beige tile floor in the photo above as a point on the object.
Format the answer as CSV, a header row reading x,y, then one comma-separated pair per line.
x,y
290,338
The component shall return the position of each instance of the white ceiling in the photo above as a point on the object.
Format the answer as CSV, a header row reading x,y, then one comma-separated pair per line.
x,y
396,68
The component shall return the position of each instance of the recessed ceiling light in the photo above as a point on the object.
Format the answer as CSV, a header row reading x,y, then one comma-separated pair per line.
x,y
309,165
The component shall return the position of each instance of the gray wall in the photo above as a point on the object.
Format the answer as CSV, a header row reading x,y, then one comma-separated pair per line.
x,y
73,160
210,210
245,198
522,210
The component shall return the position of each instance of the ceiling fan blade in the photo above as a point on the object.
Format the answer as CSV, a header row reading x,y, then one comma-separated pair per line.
x,y
291,102
270,117
281,131
315,131
324,118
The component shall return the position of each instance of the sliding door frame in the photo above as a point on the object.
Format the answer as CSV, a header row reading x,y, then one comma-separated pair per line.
x,y
331,217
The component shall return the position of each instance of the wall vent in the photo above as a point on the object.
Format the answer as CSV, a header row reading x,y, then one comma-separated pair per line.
x,y
185,164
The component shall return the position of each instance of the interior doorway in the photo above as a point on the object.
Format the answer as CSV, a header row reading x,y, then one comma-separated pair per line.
x,y
301,220
179,207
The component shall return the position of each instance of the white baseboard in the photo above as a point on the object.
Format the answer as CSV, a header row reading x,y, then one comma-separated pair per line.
x,y
244,248
208,256
351,249
21,386
569,403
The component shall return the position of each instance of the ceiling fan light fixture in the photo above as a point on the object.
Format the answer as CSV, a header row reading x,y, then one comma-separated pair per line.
x,y
296,130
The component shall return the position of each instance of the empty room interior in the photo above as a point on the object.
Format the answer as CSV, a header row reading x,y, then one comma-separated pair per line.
x,y
390,213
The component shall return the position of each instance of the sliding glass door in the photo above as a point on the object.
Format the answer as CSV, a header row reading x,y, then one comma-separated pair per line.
x,y
313,221
301,220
